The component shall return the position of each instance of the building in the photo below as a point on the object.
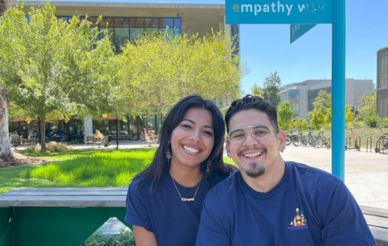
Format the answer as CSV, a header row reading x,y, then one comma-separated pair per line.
x,y
127,20
382,82
301,95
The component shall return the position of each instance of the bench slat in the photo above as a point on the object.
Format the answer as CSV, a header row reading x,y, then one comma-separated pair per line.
x,y
377,221
66,191
69,197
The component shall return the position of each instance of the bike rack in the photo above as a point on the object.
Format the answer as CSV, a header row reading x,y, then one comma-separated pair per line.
x,y
369,144
356,146
380,148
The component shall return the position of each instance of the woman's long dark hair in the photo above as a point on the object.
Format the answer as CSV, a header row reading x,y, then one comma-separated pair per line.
x,y
160,162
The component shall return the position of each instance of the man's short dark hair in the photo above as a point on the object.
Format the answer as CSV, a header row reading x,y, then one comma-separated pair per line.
x,y
252,102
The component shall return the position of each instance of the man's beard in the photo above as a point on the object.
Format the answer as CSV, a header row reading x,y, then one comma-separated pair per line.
x,y
254,170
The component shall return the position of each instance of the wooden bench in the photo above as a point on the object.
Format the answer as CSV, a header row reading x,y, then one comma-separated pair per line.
x,y
68,216
98,141
377,219
57,216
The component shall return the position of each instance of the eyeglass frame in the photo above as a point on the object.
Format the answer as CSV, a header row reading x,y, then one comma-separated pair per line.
x,y
250,129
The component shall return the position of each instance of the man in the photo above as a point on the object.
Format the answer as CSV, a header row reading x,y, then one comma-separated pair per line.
x,y
273,202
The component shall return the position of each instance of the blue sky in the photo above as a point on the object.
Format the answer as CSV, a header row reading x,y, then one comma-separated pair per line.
x,y
266,48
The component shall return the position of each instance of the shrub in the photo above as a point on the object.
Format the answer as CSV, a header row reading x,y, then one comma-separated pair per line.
x,y
383,122
125,238
371,121
51,146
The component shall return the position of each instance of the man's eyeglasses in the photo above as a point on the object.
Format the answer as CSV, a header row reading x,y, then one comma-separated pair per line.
x,y
258,132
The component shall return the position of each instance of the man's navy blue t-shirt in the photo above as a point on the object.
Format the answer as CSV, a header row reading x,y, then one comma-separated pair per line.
x,y
162,212
307,207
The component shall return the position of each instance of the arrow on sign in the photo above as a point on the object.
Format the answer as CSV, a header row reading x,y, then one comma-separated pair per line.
x,y
297,30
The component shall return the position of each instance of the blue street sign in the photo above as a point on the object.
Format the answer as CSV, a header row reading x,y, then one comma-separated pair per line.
x,y
278,11
306,12
297,30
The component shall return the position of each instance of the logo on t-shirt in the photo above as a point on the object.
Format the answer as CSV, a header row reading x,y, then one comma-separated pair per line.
x,y
299,222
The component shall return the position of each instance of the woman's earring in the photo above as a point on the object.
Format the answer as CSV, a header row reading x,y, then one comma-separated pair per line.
x,y
168,152
208,166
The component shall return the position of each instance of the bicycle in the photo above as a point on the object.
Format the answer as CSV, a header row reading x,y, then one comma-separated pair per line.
x,y
382,142
323,141
356,140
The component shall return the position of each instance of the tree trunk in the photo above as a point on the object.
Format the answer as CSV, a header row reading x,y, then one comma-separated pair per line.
x,y
42,127
6,152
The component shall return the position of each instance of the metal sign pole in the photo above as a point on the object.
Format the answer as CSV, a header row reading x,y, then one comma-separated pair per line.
x,y
338,89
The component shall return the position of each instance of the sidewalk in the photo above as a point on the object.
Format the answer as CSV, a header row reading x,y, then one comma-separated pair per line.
x,y
366,173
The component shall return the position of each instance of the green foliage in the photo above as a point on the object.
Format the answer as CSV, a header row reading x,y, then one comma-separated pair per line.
x,y
52,68
367,109
371,120
321,113
257,91
349,116
301,124
383,122
271,89
322,102
126,238
317,119
164,68
285,115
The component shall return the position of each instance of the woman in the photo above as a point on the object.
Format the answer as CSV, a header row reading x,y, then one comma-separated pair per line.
x,y
164,201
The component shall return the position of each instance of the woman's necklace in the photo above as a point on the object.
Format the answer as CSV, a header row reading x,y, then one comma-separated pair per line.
x,y
186,199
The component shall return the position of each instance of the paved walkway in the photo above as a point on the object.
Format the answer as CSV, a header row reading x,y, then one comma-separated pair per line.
x,y
366,173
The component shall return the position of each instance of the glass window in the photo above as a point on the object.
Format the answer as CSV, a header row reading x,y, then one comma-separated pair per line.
x,y
138,22
121,22
151,22
177,31
167,22
177,22
135,33
121,36
168,31
107,23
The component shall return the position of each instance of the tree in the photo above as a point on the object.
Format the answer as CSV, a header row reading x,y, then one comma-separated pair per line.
x,y
322,102
349,116
271,89
321,113
317,119
49,65
301,124
6,152
367,109
257,91
163,68
285,115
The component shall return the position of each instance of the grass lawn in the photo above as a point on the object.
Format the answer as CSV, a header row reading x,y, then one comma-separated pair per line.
x,y
78,168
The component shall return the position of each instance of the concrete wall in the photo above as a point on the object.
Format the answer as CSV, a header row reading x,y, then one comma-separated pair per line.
x,y
382,82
